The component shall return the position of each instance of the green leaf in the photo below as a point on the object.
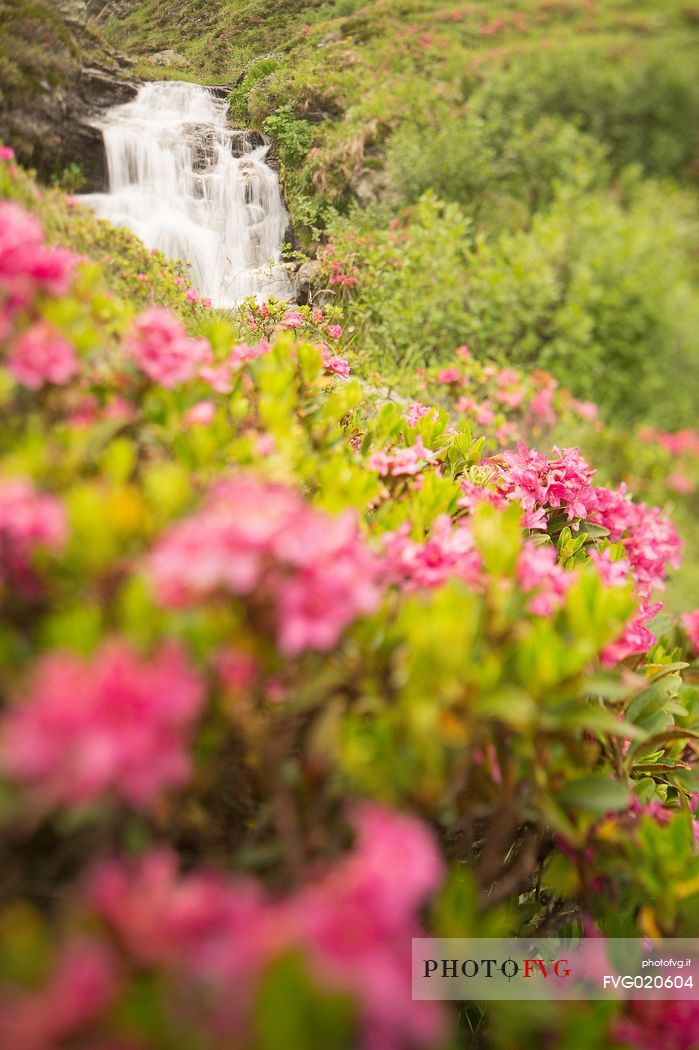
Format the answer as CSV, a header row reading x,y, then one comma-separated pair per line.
x,y
293,1013
596,794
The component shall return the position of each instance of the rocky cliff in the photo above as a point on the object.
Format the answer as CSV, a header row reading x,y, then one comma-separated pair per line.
x,y
56,75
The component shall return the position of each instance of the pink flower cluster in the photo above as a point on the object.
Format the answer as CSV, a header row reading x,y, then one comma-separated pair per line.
x,y
564,483
162,349
417,411
650,540
339,366
353,923
659,1025
541,484
40,355
408,460
690,622
537,482
257,539
28,267
449,551
113,724
538,571
680,443
29,521
77,991
220,376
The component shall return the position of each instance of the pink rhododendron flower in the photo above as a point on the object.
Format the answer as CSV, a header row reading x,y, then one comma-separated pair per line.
x,y
163,350
484,414
474,494
198,921
353,923
42,355
293,319
7,153
254,536
507,377
682,442
535,481
636,640
242,354
585,409
27,265
541,413
219,377
200,414
29,521
658,1024
466,404
317,316
338,365
113,724
690,622
334,331
650,540
356,924
449,551
678,481
192,295
408,460
509,398
449,375
613,573
417,411
80,987
463,352
538,570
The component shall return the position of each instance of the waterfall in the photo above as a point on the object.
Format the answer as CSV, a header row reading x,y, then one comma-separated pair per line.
x,y
186,183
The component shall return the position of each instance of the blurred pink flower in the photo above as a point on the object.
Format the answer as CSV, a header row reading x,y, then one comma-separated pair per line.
x,y
81,985
163,350
690,622
29,521
538,570
293,319
42,355
448,551
255,536
405,460
201,414
113,724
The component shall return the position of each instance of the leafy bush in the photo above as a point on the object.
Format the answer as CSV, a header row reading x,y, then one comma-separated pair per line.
x,y
598,291
642,105
293,138
501,176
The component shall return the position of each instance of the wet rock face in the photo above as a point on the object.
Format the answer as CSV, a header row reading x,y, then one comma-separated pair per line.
x,y
60,81
55,130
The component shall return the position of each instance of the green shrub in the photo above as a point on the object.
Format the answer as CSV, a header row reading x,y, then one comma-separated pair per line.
x,y
599,291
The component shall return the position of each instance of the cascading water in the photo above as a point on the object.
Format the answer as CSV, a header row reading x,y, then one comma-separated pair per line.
x,y
186,183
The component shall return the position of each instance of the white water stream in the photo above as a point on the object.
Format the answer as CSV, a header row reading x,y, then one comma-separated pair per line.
x,y
186,183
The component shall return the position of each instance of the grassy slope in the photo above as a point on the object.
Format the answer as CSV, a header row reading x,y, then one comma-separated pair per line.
x,y
358,69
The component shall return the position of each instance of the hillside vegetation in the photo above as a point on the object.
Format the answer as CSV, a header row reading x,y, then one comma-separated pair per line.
x,y
556,144
325,625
